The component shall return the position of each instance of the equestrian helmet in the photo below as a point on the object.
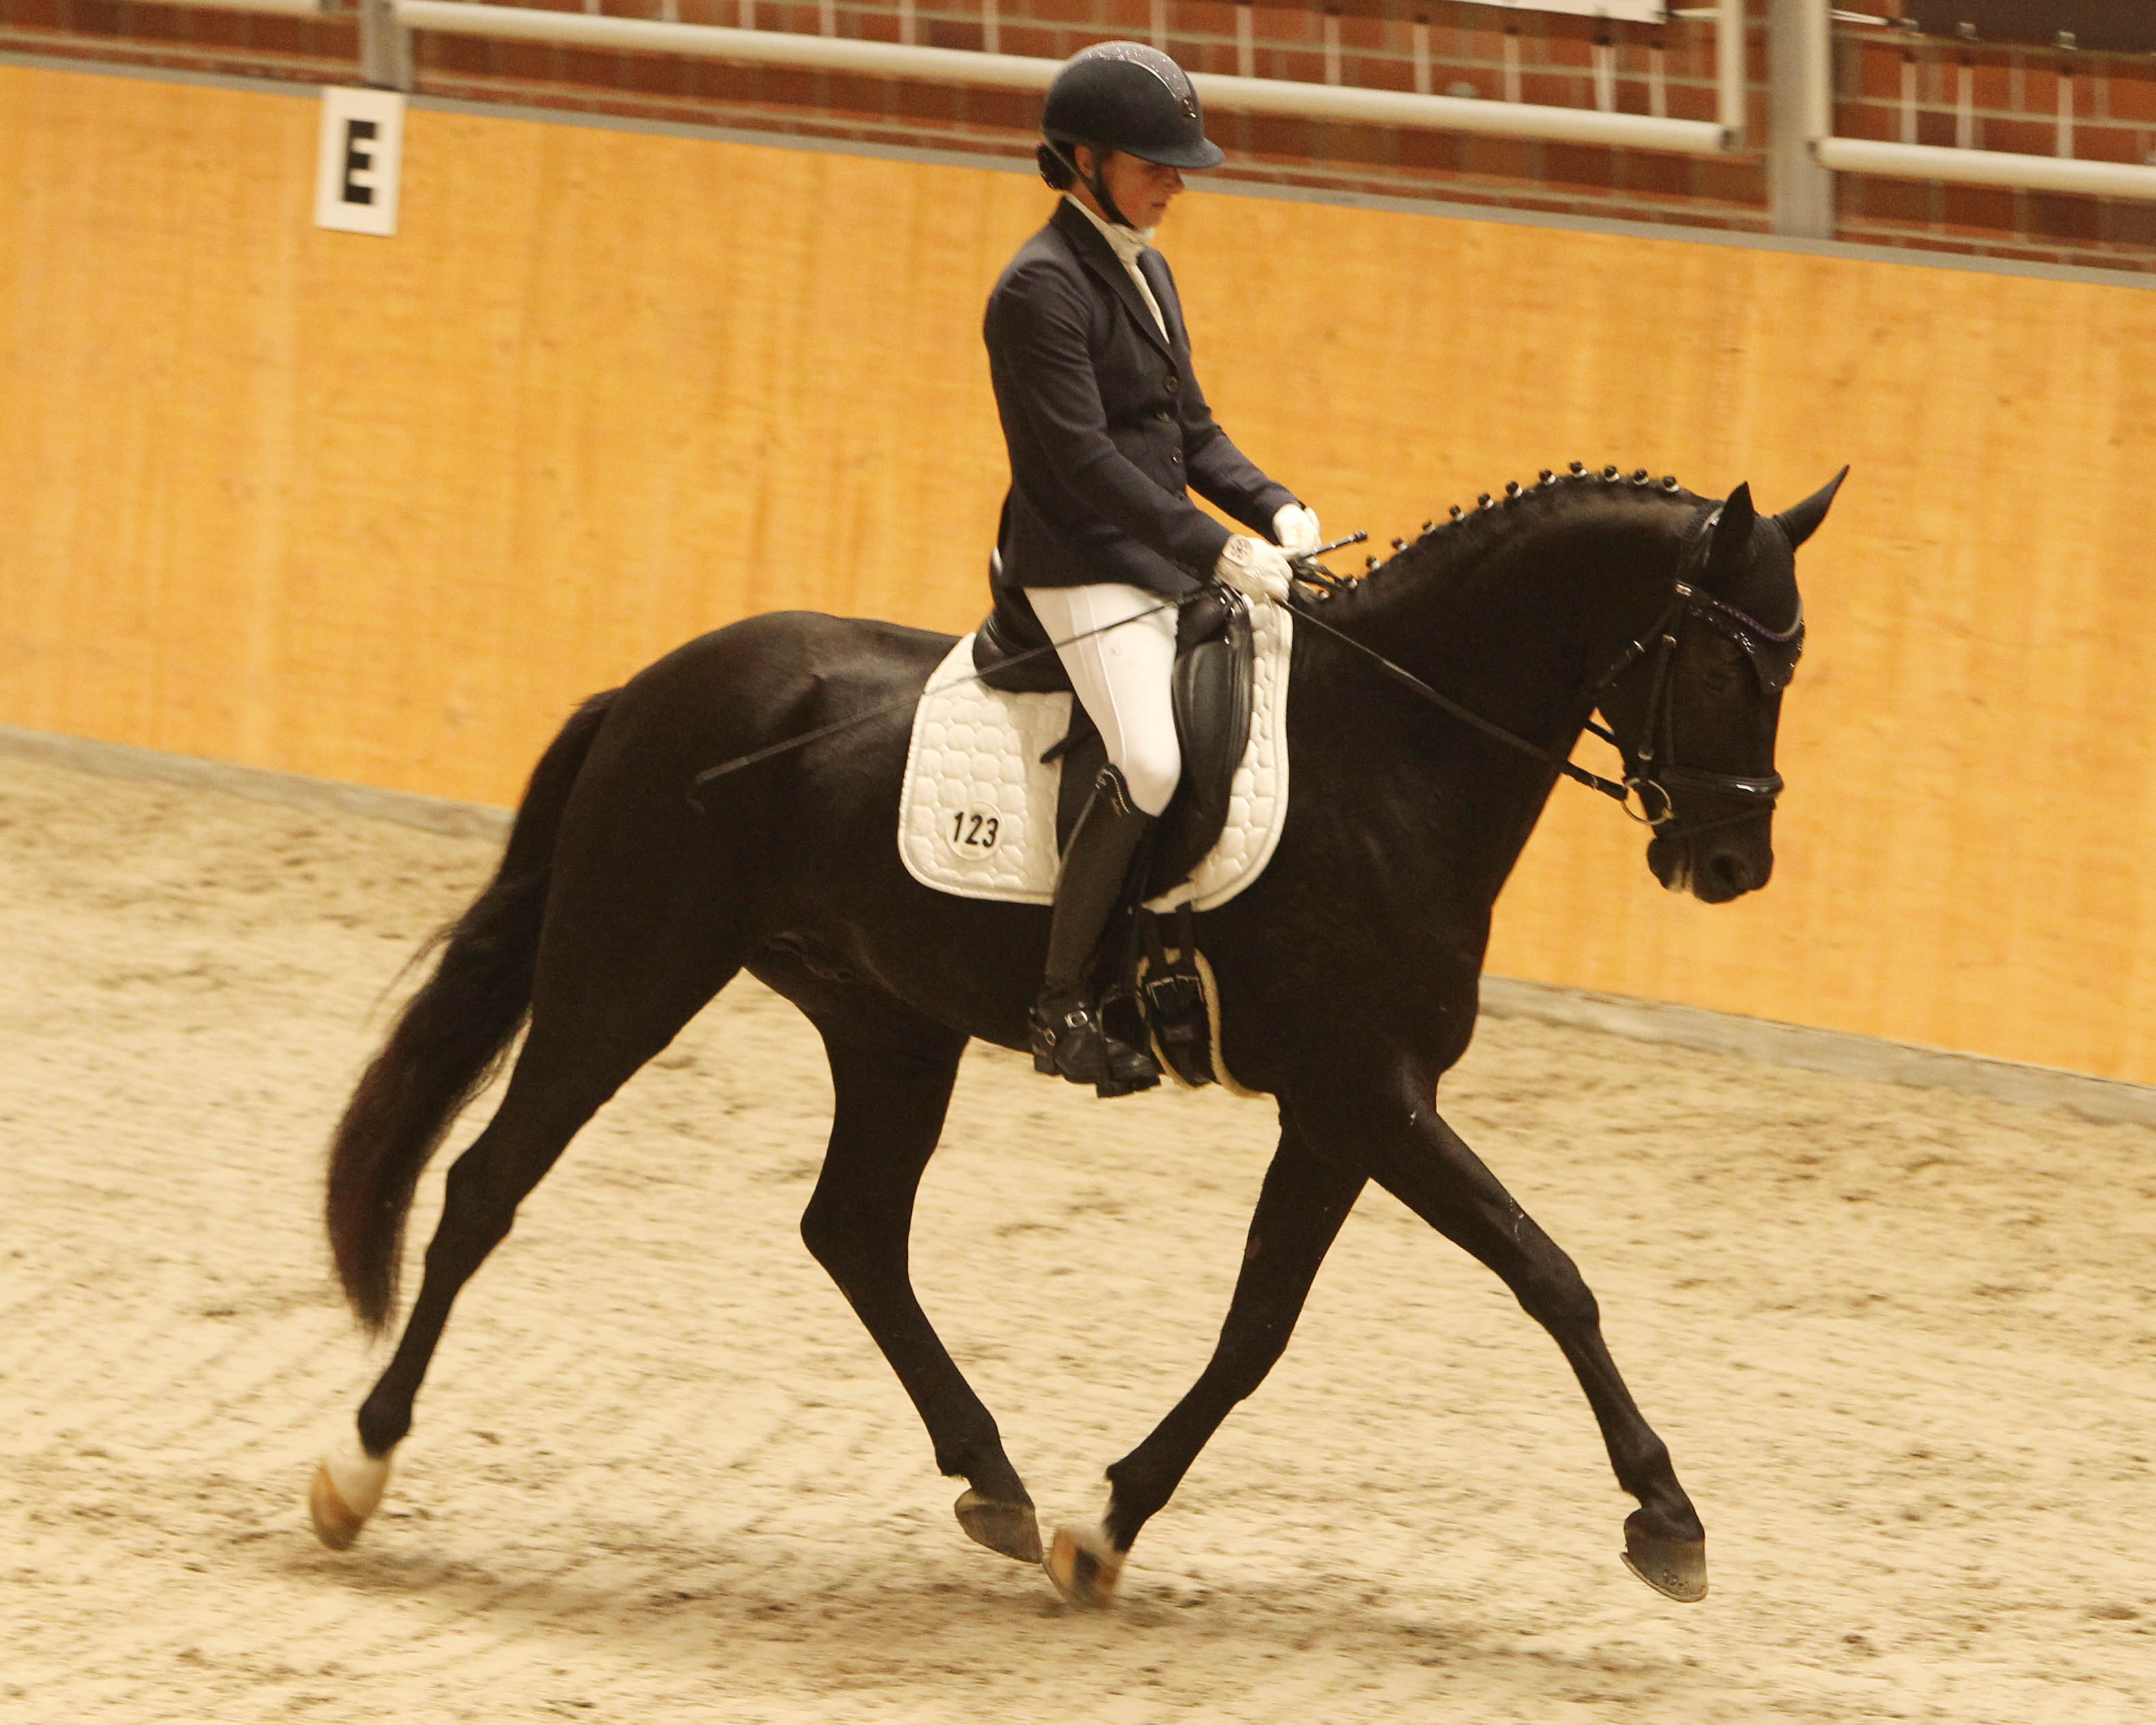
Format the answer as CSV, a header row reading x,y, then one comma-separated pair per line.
x,y
1124,95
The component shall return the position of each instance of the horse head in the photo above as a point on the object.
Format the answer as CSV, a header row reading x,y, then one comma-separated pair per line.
x,y
1695,704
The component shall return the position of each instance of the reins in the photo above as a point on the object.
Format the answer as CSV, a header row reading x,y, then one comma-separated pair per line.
x,y
1323,584
1661,641
1444,703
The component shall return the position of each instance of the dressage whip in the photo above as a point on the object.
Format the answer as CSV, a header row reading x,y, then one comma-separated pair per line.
x,y
739,762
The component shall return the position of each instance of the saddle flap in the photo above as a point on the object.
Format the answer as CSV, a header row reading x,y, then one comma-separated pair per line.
x,y
1216,661
1214,666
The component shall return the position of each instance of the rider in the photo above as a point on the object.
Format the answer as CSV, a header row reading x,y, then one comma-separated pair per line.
x,y
1108,435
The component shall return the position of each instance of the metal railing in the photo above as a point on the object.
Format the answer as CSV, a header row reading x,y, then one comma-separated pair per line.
x,y
1229,94
288,8
1954,164
386,23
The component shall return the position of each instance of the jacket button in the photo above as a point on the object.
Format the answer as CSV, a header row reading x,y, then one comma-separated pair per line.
x,y
1171,382
1163,414
1176,456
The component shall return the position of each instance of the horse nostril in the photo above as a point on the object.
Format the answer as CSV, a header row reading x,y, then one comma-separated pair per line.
x,y
1730,872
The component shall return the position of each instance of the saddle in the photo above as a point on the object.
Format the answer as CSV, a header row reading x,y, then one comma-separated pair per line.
x,y
1214,665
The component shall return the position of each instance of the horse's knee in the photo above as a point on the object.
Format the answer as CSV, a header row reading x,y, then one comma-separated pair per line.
x,y
1246,1355
1557,1296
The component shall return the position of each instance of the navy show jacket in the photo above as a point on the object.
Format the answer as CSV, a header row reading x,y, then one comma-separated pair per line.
x,y
1107,428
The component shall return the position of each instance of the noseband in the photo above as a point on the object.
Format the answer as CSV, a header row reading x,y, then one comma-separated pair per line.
x,y
1653,771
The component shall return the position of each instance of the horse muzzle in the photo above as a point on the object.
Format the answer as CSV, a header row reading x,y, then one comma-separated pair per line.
x,y
1718,866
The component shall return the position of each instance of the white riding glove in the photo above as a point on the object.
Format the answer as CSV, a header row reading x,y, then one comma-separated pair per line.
x,y
1255,569
1295,526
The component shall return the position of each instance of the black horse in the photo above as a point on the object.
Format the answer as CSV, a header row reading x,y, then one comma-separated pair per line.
x,y
1348,972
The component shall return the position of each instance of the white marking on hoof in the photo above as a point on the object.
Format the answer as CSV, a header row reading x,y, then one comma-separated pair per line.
x,y
347,1489
1085,1566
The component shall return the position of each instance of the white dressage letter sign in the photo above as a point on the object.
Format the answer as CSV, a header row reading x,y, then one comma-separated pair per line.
x,y
363,156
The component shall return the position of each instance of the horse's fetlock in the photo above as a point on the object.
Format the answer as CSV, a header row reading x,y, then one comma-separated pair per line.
x,y
382,1428
979,1459
1670,1516
1136,1494
1649,1471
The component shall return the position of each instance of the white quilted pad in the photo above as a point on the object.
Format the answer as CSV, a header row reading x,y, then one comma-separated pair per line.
x,y
977,815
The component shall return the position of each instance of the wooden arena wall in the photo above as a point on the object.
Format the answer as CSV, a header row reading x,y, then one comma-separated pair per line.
x,y
383,509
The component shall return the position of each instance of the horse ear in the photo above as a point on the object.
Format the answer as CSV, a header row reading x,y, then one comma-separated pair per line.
x,y
1732,532
1802,522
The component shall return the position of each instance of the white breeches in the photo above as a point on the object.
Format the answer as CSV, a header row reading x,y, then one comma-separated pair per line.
x,y
1123,677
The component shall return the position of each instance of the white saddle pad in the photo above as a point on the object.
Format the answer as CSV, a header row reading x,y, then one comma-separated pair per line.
x,y
977,815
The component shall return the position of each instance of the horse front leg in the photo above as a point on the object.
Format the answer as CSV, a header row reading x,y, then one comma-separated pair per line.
x,y
1304,1200
1387,1127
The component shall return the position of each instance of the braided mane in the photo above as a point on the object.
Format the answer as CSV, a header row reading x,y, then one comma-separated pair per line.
x,y
1444,548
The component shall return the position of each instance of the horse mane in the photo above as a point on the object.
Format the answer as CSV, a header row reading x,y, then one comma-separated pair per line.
x,y
1446,549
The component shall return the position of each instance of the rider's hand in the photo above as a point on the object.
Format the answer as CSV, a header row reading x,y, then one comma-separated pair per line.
x,y
1295,527
1255,569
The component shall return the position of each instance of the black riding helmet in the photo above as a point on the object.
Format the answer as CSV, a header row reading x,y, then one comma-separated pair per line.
x,y
1123,95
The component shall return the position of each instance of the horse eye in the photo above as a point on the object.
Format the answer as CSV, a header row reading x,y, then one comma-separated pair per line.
x,y
1718,679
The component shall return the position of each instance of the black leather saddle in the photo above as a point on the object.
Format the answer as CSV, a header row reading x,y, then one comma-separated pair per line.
x,y
1214,663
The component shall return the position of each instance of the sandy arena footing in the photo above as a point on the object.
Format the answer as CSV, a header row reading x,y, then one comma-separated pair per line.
x,y
1902,1342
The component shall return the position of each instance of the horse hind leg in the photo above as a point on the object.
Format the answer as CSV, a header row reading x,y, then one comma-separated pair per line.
x,y
551,1096
594,1024
892,1079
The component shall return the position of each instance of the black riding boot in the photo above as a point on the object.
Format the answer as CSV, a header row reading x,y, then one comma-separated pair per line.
x,y
1067,1035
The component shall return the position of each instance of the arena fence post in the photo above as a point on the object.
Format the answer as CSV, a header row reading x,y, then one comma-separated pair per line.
x,y
1800,83
385,46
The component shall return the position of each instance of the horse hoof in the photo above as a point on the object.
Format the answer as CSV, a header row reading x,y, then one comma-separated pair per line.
x,y
1008,1529
1085,1566
1676,1568
347,1489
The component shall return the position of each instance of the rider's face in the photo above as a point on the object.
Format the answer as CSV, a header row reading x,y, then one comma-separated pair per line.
x,y
1142,190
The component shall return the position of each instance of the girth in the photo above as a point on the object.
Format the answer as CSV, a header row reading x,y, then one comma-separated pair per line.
x,y
1214,663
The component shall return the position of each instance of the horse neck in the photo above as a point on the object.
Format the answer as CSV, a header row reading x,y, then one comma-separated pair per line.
x,y
1514,613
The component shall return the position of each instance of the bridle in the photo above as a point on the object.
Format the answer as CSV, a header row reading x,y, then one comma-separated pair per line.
x,y
1652,770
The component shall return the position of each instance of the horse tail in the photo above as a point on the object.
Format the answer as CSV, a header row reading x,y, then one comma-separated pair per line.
x,y
451,1038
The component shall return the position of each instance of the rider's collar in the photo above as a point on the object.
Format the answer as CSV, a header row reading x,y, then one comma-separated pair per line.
x,y
1127,242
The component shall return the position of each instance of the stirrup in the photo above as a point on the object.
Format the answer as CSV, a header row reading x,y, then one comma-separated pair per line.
x,y
1070,1041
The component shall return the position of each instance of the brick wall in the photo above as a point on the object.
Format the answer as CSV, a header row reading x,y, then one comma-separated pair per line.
x,y
323,50
1890,84
1893,86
